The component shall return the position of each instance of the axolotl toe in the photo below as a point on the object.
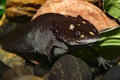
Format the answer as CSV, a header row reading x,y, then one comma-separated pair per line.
x,y
50,31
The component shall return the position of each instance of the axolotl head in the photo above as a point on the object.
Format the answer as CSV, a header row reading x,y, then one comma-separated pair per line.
x,y
75,31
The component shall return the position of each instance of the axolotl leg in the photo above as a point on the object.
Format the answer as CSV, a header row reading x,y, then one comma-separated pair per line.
x,y
102,62
48,48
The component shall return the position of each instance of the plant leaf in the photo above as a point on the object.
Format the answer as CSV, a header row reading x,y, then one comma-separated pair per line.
x,y
110,37
112,7
2,6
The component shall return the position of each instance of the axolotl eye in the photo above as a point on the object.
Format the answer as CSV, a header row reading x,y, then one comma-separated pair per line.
x,y
78,33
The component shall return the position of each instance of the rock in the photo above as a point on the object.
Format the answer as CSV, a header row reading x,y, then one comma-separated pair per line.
x,y
28,77
9,74
46,76
3,68
118,20
6,28
70,68
35,3
78,7
116,61
3,20
15,72
40,70
112,74
20,10
98,3
11,59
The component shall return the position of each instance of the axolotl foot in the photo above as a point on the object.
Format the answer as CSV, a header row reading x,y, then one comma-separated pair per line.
x,y
103,62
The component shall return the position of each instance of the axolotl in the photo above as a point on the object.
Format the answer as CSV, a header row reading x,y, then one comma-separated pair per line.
x,y
51,32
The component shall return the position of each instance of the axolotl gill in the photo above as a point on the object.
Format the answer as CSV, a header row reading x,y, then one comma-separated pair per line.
x,y
51,31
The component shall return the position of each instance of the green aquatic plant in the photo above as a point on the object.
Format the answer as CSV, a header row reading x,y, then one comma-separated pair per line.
x,y
2,7
112,7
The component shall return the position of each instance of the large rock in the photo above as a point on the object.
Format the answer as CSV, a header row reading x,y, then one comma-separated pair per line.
x,y
22,8
78,7
69,67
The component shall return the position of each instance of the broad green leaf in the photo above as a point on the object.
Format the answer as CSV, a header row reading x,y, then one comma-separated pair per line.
x,y
110,37
112,7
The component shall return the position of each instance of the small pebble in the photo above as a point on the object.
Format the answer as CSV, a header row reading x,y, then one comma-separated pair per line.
x,y
40,70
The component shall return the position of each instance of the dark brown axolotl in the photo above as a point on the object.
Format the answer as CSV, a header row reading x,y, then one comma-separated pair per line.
x,y
51,31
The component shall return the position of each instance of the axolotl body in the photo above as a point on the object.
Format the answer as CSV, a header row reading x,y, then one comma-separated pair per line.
x,y
51,31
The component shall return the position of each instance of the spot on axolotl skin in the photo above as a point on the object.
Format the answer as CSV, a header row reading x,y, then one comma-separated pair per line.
x,y
50,31
71,27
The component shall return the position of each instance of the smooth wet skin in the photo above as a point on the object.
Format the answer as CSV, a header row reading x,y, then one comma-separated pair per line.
x,y
48,31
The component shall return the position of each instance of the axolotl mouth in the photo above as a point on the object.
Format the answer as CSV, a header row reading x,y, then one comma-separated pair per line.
x,y
84,42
